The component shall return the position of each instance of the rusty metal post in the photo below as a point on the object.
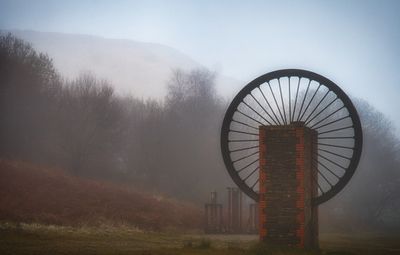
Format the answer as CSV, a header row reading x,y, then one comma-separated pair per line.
x,y
234,214
213,215
229,212
252,225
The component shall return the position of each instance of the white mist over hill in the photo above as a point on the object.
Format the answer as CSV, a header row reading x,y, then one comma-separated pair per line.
x,y
138,68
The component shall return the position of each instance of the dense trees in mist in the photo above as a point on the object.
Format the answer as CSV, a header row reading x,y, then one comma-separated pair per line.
x,y
169,146
29,87
173,146
372,198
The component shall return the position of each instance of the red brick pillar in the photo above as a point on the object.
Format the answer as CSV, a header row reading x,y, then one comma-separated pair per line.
x,y
287,217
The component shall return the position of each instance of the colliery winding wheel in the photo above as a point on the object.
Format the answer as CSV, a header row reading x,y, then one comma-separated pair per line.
x,y
282,98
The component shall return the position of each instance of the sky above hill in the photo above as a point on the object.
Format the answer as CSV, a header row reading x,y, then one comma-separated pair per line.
x,y
354,43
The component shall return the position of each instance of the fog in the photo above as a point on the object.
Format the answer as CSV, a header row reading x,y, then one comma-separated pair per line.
x,y
353,42
133,93
168,147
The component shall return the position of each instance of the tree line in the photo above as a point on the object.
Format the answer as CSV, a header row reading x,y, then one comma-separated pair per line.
x,y
81,125
168,146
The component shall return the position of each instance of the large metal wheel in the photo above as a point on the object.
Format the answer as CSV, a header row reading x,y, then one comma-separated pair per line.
x,y
281,98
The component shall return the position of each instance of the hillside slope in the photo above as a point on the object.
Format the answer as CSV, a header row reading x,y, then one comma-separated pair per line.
x,y
31,193
139,68
133,67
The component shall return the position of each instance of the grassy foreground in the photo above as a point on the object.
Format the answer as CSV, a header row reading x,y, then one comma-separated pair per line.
x,y
40,239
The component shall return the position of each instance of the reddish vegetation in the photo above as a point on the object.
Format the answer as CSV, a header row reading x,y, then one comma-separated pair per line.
x,y
31,193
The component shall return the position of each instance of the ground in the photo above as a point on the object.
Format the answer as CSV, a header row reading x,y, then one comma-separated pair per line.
x,y
41,239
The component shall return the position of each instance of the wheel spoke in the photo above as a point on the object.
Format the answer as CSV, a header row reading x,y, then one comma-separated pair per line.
x,y
247,156
262,117
334,130
272,110
243,132
247,125
283,104
295,100
329,170
252,172
309,103
316,107
336,154
336,146
335,137
329,160
334,121
243,149
263,108
252,186
304,99
328,116
249,117
276,103
243,140
323,176
322,111
246,166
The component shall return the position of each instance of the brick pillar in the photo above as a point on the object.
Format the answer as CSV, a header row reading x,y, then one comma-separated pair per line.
x,y
287,217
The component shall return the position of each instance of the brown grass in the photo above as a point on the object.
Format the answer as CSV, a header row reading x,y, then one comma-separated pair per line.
x,y
30,193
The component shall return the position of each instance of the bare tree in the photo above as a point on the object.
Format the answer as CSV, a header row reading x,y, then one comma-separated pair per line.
x,y
89,124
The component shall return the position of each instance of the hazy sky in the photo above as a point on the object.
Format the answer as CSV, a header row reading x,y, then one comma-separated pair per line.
x,y
354,43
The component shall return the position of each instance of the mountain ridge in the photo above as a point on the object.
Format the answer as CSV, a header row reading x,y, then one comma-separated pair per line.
x,y
141,69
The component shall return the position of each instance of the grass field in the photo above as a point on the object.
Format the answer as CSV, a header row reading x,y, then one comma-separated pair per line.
x,y
40,239
102,216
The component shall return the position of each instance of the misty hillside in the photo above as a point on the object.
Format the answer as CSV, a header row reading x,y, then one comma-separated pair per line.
x,y
140,68
32,193
164,148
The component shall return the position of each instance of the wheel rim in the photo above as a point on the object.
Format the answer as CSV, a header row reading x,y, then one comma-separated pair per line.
x,y
283,97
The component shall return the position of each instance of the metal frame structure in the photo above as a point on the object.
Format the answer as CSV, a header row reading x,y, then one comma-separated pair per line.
x,y
234,213
213,215
291,96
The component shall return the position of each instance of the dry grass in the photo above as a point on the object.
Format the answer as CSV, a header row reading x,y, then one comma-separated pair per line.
x,y
49,239
79,216
42,239
30,193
